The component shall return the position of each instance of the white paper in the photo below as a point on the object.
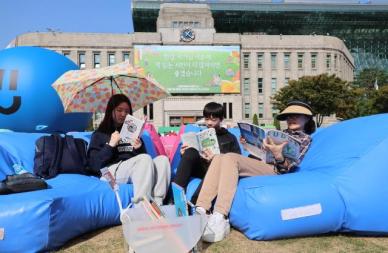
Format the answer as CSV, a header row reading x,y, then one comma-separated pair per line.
x,y
300,212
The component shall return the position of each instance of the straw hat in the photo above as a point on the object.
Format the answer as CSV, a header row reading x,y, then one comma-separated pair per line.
x,y
295,107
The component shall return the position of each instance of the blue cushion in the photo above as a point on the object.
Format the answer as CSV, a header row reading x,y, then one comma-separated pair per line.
x,y
340,187
17,149
148,143
44,220
73,204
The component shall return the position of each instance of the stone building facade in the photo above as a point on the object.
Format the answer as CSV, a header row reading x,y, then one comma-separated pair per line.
x,y
268,62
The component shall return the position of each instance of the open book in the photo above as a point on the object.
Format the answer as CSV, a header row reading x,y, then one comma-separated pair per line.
x,y
131,129
255,135
206,139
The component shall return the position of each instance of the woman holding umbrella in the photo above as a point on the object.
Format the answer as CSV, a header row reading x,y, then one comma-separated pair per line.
x,y
126,162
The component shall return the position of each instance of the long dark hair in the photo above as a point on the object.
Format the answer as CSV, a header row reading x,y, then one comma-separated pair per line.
x,y
310,126
108,125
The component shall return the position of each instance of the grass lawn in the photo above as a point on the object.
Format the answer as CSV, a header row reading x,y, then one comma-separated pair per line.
x,y
111,240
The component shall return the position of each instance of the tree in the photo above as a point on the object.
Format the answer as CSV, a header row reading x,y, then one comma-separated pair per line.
x,y
358,103
368,77
276,123
326,94
255,120
380,102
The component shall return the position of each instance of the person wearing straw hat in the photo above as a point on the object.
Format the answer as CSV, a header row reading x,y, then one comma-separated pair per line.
x,y
225,169
126,162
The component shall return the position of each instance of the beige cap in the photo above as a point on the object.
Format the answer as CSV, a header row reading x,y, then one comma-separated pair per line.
x,y
295,107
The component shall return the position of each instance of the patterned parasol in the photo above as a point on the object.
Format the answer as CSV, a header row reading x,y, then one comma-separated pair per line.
x,y
89,90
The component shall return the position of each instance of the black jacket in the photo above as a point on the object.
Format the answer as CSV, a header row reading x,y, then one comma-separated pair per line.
x,y
227,142
100,154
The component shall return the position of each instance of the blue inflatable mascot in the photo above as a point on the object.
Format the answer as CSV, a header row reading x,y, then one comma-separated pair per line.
x,y
28,103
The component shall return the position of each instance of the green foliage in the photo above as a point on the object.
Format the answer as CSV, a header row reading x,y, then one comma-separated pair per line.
x,y
360,102
325,94
380,103
255,119
276,123
367,78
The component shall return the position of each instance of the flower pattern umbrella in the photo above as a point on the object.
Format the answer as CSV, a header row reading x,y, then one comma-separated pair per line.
x,y
89,90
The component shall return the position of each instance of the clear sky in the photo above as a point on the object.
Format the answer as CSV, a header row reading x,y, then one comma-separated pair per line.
x,y
22,16
106,16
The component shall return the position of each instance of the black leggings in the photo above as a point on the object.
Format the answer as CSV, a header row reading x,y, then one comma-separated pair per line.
x,y
191,165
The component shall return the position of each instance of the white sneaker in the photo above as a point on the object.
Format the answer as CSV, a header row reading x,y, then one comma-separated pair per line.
x,y
217,228
200,210
130,250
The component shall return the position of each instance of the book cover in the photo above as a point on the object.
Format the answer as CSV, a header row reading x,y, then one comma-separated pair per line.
x,y
147,210
131,129
191,140
180,201
110,178
255,135
292,149
206,139
152,208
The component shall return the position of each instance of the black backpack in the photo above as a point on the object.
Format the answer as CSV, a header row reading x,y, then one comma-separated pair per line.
x,y
55,154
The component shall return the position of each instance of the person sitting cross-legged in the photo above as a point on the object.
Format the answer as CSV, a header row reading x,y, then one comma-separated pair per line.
x,y
194,164
225,169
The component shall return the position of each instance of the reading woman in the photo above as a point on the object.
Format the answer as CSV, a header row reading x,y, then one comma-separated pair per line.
x,y
225,169
128,163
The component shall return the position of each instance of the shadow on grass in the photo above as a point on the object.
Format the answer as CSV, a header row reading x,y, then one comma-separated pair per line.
x,y
85,237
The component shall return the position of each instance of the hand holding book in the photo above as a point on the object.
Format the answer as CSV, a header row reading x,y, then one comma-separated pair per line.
x,y
183,148
275,149
131,130
137,143
207,154
201,141
242,140
269,145
114,139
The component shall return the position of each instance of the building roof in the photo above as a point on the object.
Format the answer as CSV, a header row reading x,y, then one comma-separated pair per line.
x,y
279,5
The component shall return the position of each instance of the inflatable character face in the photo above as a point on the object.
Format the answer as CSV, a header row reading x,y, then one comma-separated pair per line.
x,y
16,100
28,103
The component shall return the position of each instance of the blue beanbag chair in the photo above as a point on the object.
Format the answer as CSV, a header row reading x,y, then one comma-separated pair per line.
x,y
74,204
340,187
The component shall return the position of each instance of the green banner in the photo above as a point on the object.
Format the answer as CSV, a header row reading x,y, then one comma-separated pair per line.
x,y
191,69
